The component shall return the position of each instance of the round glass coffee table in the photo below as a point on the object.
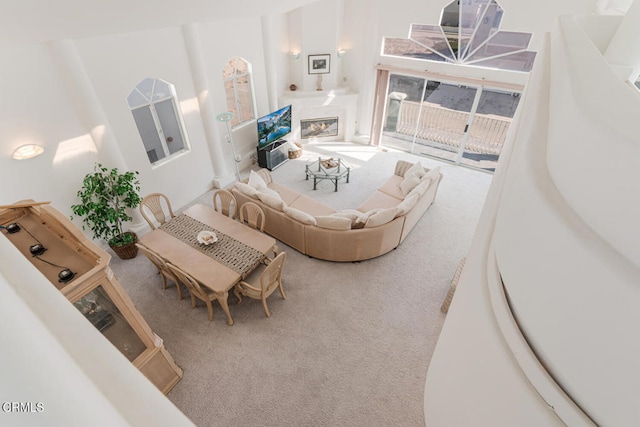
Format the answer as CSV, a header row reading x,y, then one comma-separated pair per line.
x,y
332,169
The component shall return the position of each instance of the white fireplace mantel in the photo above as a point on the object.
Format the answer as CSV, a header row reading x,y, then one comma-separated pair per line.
x,y
340,103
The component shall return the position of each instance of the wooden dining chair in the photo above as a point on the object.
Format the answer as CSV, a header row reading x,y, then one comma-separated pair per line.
x,y
252,215
195,289
162,267
158,206
263,281
225,203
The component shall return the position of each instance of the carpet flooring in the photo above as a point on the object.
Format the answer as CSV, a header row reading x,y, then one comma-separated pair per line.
x,y
351,344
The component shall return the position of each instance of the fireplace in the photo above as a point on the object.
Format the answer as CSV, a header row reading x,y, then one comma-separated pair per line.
x,y
318,128
336,110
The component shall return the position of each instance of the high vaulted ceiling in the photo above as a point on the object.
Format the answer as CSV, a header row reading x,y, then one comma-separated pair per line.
x,y
36,21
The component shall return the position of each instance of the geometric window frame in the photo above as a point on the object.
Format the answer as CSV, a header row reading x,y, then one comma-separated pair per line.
x,y
237,78
469,33
156,112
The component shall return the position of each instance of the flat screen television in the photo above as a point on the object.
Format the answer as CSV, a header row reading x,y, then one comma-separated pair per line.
x,y
274,126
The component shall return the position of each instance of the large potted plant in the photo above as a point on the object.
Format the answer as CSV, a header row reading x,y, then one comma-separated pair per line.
x,y
105,197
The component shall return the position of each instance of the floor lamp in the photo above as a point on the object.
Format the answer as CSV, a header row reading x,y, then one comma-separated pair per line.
x,y
226,118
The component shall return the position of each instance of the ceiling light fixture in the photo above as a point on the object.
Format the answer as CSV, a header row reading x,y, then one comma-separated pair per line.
x,y
27,151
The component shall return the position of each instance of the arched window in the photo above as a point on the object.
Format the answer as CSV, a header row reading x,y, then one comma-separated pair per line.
x,y
238,87
154,105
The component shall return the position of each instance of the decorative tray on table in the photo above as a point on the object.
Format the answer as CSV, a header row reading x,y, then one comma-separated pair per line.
x,y
207,237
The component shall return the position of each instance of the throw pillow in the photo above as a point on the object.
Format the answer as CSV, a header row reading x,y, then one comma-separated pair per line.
x,y
246,189
271,201
353,215
416,169
364,217
421,188
333,222
256,181
271,192
299,215
265,175
432,173
382,217
409,183
407,204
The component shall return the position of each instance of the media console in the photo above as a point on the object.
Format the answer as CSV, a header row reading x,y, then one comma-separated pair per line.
x,y
272,156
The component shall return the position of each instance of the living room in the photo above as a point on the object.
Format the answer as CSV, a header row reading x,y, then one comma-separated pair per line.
x,y
67,90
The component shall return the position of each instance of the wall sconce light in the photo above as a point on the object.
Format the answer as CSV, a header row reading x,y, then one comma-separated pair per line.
x,y
294,56
27,151
341,53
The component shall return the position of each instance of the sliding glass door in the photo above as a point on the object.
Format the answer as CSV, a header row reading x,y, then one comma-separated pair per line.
x,y
461,124
488,130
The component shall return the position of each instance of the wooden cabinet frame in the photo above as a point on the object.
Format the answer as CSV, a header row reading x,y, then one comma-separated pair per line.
x,y
66,244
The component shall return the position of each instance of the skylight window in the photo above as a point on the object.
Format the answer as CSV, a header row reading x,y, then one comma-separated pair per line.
x,y
469,33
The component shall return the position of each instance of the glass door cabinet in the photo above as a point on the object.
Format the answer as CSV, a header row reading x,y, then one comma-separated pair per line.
x,y
80,270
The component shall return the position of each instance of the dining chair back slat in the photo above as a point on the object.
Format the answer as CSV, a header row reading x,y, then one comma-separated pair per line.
x,y
225,203
158,206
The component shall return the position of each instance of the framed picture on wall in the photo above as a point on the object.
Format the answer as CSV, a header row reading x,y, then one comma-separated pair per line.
x,y
319,64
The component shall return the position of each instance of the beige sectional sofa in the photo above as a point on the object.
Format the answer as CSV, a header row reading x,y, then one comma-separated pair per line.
x,y
374,228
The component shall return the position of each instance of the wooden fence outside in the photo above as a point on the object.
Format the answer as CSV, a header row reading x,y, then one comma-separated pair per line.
x,y
434,123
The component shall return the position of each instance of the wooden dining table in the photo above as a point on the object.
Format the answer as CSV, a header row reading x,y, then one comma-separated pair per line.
x,y
218,266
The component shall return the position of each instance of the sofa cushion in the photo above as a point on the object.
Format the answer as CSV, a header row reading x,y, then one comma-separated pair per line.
x,y
420,188
392,187
425,182
402,166
431,173
256,181
299,215
381,217
246,189
287,195
360,221
353,215
410,182
416,169
265,175
379,200
408,203
311,206
333,222
271,199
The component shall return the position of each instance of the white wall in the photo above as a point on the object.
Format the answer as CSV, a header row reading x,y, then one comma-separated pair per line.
x,y
116,64
44,103
35,107
247,44
557,228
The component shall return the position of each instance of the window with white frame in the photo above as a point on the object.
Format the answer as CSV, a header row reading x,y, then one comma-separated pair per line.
x,y
469,33
238,87
155,109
